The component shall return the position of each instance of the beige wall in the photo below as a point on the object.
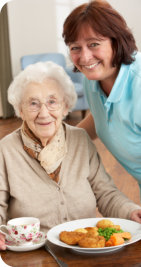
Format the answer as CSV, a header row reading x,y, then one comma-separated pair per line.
x,y
131,11
1,113
32,25
36,25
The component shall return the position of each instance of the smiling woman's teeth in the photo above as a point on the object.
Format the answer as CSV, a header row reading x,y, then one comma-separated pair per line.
x,y
91,66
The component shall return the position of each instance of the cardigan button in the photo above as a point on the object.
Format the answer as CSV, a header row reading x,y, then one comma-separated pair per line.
x,y
109,120
62,202
58,188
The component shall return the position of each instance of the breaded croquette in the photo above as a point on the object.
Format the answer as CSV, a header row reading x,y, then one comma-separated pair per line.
x,y
92,229
71,238
81,230
90,234
92,242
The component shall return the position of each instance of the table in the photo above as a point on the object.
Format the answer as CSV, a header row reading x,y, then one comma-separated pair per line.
x,y
125,257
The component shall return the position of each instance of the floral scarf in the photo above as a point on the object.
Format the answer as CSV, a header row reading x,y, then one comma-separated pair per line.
x,y
50,156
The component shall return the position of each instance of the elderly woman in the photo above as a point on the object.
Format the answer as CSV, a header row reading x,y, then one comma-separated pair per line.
x,y
103,48
42,171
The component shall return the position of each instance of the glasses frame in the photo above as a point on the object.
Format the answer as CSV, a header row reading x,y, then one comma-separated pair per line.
x,y
46,104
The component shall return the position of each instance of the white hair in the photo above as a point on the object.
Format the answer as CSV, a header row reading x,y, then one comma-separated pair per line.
x,y
39,73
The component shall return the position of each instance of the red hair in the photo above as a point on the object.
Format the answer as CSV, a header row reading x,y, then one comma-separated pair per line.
x,y
105,21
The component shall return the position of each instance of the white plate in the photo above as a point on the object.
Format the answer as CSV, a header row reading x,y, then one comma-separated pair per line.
x,y
126,225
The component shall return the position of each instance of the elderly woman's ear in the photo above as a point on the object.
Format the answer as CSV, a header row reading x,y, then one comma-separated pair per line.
x,y
65,112
22,114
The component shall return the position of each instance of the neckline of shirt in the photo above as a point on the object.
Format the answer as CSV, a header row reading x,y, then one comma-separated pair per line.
x,y
118,86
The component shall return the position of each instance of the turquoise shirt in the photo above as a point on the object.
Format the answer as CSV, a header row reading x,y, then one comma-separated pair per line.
x,y
118,117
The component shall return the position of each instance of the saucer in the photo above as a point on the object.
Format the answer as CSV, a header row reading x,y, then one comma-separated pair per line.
x,y
37,243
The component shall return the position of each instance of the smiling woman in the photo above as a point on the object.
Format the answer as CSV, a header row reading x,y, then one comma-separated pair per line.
x,y
103,48
93,56
42,95
44,112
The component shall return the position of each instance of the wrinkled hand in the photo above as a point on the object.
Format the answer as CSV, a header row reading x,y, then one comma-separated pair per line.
x,y
136,216
2,242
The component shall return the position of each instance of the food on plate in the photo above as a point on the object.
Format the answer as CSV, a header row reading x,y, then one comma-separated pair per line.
x,y
125,235
104,223
92,242
109,243
92,229
81,230
115,241
71,238
90,234
107,232
96,237
117,227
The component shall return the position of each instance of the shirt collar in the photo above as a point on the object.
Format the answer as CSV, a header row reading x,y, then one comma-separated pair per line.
x,y
118,87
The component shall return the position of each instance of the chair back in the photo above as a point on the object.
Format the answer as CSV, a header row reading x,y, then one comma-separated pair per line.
x,y
57,58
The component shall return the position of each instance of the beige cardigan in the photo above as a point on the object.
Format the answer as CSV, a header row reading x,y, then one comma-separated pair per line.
x,y
27,190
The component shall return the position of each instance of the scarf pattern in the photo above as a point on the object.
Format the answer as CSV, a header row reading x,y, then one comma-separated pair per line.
x,y
50,156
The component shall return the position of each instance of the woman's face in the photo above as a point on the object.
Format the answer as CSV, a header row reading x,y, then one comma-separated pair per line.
x,y
93,56
43,123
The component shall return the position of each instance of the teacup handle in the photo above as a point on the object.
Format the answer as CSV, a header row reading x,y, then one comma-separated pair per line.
x,y
1,230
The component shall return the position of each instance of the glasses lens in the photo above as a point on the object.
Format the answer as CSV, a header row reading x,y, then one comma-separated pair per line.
x,y
33,105
53,104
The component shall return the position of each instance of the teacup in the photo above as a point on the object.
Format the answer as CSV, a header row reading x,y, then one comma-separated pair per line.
x,y
23,230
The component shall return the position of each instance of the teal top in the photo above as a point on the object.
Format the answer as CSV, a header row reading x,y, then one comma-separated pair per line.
x,y
118,117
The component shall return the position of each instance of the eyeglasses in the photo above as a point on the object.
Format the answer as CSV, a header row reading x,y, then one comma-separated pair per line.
x,y
51,104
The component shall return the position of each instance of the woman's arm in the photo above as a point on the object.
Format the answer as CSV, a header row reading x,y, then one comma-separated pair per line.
x,y
110,201
88,125
4,196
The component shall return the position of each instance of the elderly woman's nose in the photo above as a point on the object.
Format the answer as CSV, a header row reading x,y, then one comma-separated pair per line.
x,y
43,110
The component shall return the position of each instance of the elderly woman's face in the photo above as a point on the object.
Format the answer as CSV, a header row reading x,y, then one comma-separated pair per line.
x,y
43,123
93,56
